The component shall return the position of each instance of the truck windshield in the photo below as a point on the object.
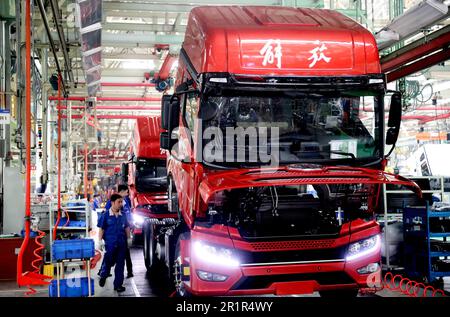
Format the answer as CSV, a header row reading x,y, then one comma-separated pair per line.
x,y
151,175
314,127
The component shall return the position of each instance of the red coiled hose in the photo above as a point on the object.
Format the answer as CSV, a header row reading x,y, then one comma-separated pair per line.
x,y
409,287
56,224
36,263
68,218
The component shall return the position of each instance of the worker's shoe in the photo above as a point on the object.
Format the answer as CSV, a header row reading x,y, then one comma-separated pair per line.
x,y
120,289
102,281
130,275
109,275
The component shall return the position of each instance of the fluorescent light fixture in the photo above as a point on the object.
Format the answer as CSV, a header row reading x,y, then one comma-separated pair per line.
x,y
215,254
93,83
174,66
424,14
138,64
363,248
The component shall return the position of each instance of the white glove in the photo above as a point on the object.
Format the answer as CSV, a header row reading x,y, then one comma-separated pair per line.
x,y
101,245
129,242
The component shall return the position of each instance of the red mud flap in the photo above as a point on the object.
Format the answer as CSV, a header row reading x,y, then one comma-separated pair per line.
x,y
290,288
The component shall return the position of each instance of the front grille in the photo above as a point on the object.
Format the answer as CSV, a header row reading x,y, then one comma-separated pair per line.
x,y
248,257
264,281
298,245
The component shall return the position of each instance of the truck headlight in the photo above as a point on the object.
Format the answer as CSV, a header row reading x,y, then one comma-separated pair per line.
x,y
363,248
215,254
137,219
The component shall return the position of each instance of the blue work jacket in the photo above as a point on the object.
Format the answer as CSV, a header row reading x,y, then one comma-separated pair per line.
x,y
114,228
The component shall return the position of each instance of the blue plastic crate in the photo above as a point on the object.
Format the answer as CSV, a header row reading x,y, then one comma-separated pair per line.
x,y
77,223
73,249
75,204
72,223
76,287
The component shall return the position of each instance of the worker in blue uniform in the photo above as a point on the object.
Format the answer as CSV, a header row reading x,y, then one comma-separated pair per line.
x,y
123,191
115,231
126,209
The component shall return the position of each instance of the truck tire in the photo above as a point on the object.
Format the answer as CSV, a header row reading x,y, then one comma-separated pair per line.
x,y
177,270
149,249
173,198
145,249
343,293
138,239
150,259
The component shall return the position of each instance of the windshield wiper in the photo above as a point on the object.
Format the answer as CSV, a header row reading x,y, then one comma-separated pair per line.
x,y
344,153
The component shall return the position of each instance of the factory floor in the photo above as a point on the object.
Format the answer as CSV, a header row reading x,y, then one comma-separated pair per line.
x,y
141,285
138,286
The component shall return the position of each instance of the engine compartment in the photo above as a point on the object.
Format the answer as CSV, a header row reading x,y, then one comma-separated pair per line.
x,y
291,211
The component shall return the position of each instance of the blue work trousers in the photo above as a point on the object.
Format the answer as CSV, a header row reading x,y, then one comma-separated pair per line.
x,y
114,255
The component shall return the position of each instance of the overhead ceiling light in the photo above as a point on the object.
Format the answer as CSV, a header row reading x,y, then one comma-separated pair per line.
x,y
422,15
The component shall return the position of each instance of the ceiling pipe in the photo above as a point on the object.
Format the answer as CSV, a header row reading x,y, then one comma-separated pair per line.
x,y
57,18
434,118
114,107
145,99
433,108
418,65
127,84
28,278
124,84
52,43
416,50
166,66
420,118
426,119
103,117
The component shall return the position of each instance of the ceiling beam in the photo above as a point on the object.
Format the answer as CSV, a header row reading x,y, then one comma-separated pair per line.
x,y
111,39
415,51
127,57
140,14
419,65
178,21
144,27
176,5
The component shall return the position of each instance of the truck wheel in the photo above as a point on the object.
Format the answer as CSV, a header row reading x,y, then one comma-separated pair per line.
x,y
177,272
173,198
150,258
146,237
138,239
343,293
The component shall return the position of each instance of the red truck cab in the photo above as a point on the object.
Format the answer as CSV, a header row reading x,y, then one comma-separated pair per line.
x,y
146,174
274,169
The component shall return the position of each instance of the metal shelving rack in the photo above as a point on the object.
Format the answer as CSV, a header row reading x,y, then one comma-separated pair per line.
x,y
419,251
398,216
80,207
71,206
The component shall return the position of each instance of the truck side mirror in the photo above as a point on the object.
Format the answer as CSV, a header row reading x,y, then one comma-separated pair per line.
x,y
124,172
164,141
395,118
174,115
165,106
171,119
